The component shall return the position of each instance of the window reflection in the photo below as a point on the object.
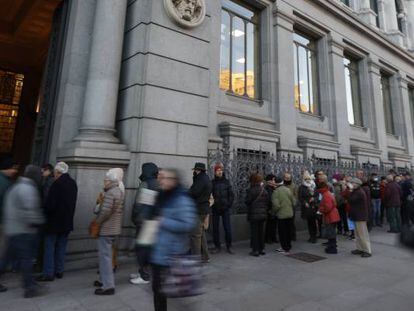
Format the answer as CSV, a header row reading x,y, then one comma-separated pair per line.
x,y
353,94
239,44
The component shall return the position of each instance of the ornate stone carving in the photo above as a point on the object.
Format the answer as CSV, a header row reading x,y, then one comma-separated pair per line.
x,y
186,13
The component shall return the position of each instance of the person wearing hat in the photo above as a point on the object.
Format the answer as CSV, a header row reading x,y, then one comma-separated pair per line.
x,y
223,200
200,191
358,213
22,218
59,210
283,203
8,170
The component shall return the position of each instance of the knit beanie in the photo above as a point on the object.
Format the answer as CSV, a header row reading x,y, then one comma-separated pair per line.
x,y
217,167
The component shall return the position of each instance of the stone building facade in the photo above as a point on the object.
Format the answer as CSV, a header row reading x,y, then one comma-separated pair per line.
x,y
167,80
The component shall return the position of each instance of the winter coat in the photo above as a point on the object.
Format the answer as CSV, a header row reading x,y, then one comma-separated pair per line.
x,y
5,183
375,188
283,202
22,211
47,183
392,195
328,208
200,191
178,219
60,205
357,201
406,188
292,187
111,211
367,191
306,201
223,195
147,192
257,201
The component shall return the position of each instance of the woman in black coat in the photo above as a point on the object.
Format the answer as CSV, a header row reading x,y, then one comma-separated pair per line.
x,y
257,201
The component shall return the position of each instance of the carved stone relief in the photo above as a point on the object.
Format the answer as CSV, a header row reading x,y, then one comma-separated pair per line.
x,y
186,13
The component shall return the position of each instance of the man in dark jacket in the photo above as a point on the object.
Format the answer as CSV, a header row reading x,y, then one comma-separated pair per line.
x,y
392,202
200,191
406,187
8,170
223,200
145,209
271,221
59,211
48,179
375,188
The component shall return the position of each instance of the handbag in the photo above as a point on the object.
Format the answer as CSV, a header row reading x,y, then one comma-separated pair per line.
x,y
148,233
183,278
94,229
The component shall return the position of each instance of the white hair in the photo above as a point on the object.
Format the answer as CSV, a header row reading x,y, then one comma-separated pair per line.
x,y
116,175
62,167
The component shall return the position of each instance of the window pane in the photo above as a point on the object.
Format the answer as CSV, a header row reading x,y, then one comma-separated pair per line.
x,y
349,103
238,9
297,85
386,98
313,83
303,79
225,51
356,98
411,97
301,39
238,57
251,59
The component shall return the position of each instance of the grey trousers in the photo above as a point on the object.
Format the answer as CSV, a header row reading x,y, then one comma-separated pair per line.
x,y
105,261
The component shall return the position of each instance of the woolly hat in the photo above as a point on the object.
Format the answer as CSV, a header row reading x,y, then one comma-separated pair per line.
x,y
356,181
218,166
62,167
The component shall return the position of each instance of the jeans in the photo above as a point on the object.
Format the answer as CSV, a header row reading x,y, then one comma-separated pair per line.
x,y
21,248
105,261
394,218
160,301
376,210
54,254
226,226
285,233
257,236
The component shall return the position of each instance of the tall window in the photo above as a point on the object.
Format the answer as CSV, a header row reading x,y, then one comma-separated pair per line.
x,y
411,98
11,85
239,49
374,6
400,15
306,73
353,93
386,100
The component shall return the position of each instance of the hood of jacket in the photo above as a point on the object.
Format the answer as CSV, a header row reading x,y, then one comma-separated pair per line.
x,y
149,171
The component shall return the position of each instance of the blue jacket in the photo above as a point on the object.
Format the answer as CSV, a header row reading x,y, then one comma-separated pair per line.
x,y
178,219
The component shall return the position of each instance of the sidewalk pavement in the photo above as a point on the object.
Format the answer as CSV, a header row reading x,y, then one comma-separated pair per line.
x,y
243,283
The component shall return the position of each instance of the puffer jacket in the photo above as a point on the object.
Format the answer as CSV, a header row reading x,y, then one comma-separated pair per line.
x,y
257,201
223,195
283,202
178,219
110,213
327,207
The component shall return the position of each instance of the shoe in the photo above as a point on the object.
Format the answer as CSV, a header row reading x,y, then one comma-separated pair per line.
x,y
3,288
205,260
313,240
97,284
134,275
351,237
44,278
59,275
216,250
331,250
365,255
105,292
255,254
281,250
357,252
34,292
230,251
262,253
138,281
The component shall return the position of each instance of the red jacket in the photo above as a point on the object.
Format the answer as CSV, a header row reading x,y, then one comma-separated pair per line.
x,y
327,207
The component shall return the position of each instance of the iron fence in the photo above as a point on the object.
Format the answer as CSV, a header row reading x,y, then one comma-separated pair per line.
x,y
239,164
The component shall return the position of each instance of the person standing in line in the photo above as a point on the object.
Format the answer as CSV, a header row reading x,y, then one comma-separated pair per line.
x,y
109,219
283,203
383,186
22,218
47,180
8,170
178,218
271,221
341,205
59,211
223,200
330,215
257,202
358,213
200,191
288,182
145,209
392,202
406,187
306,198
375,188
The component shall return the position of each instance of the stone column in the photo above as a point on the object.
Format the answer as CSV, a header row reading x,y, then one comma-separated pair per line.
x,y
409,4
284,80
337,85
99,111
391,23
407,126
378,110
